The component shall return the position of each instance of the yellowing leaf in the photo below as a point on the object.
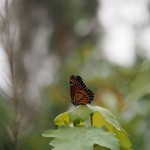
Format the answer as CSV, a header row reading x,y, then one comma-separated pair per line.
x,y
124,139
100,120
107,115
62,119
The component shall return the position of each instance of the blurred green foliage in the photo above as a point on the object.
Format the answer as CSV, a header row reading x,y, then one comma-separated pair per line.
x,y
123,91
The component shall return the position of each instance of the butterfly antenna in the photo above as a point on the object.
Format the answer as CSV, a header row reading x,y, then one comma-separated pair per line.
x,y
65,97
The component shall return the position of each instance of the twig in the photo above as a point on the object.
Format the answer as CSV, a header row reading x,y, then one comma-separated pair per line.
x,y
8,43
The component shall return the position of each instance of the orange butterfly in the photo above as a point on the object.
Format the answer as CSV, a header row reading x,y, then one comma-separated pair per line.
x,y
80,94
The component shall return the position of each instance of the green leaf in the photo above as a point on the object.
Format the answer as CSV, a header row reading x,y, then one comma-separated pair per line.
x,y
80,114
96,116
74,116
81,138
97,147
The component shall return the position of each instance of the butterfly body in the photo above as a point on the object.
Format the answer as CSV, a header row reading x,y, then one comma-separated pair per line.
x,y
80,94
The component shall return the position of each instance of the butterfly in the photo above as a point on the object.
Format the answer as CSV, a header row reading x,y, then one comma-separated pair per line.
x,y
80,94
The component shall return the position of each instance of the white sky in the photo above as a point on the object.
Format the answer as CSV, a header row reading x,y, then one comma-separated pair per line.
x,y
5,83
2,4
119,19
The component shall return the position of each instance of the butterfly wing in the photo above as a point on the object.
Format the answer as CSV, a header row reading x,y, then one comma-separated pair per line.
x,y
80,95
82,98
